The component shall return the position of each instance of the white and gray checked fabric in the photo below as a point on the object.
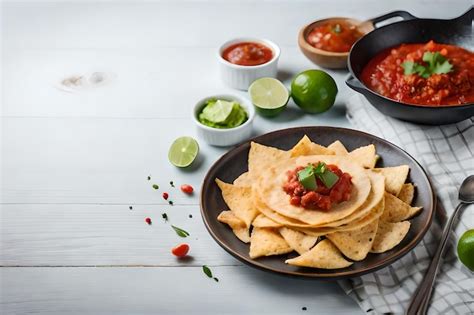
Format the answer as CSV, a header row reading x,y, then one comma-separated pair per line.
x,y
447,154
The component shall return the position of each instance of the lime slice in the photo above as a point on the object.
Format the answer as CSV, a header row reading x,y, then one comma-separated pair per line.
x,y
183,151
218,111
269,96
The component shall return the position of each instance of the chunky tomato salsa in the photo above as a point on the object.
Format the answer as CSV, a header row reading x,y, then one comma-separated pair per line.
x,y
429,74
319,197
248,54
334,36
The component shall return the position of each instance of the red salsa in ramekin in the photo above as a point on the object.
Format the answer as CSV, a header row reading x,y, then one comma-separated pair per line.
x,y
248,54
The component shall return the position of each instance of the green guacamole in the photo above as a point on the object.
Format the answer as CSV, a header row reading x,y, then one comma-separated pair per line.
x,y
222,114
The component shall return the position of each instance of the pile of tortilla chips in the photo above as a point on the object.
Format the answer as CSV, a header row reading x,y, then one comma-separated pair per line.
x,y
373,220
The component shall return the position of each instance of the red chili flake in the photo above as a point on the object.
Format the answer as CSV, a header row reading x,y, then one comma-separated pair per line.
x,y
187,189
165,196
148,220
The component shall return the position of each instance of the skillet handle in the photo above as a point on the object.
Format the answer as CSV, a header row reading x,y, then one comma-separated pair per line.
x,y
466,18
403,14
355,84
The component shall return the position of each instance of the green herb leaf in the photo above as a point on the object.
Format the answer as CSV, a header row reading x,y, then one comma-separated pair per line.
x,y
337,29
207,271
436,64
306,178
165,217
320,168
328,178
180,232
155,186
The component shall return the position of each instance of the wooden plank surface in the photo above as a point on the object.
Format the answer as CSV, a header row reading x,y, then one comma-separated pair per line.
x,y
240,290
105,235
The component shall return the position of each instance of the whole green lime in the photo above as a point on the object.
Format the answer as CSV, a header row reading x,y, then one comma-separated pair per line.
x,y
314,91
466,249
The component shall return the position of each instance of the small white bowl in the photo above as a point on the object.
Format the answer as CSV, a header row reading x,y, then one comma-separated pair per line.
x,y
240,77
225,137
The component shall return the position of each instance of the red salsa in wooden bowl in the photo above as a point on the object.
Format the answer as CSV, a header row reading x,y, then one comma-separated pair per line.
x,y
334,36
428,74
247,54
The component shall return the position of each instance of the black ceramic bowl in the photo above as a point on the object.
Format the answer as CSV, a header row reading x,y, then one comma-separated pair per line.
x,y
234,163
457,31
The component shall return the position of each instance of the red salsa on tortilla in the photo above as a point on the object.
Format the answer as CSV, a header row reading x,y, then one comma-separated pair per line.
x,y
318,186
428,74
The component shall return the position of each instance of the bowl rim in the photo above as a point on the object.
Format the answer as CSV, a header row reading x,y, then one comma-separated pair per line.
x,y
272,45
242,101
321,276
308,27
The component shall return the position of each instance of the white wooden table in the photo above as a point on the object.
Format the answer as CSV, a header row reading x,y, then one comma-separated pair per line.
x,y
73,163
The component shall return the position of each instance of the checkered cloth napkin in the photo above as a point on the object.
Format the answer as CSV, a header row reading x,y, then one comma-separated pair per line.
x,y
447,155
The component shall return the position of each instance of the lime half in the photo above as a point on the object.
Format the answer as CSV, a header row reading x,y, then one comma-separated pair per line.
x,y
269,96
183,151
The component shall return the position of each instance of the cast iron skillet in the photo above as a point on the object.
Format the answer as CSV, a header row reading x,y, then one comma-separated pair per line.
x,y
457,31
234,163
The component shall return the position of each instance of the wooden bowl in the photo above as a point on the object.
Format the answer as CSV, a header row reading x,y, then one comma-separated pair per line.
x,y
329,59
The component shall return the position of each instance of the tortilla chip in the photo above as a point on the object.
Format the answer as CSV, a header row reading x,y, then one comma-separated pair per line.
x,y
300,242
306,147
413,212
364,156
375,214
355,244
407,193
237,225
267,242
397,210
389,235
324,255
395,177
338,148
244,180
263,221
240,201
260,156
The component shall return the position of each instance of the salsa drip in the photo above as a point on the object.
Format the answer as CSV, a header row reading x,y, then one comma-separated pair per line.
x,y
385,75
322,198
248,54
334,36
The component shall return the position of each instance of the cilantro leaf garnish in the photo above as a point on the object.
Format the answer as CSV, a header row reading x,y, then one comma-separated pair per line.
x,y
207,271
336,29
307,176
435,63
180,232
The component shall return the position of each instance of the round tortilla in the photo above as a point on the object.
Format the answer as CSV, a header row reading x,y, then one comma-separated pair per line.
x,y
269,190
374,198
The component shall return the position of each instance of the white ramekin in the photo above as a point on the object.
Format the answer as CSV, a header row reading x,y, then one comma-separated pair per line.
x,y
240,77
225,137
